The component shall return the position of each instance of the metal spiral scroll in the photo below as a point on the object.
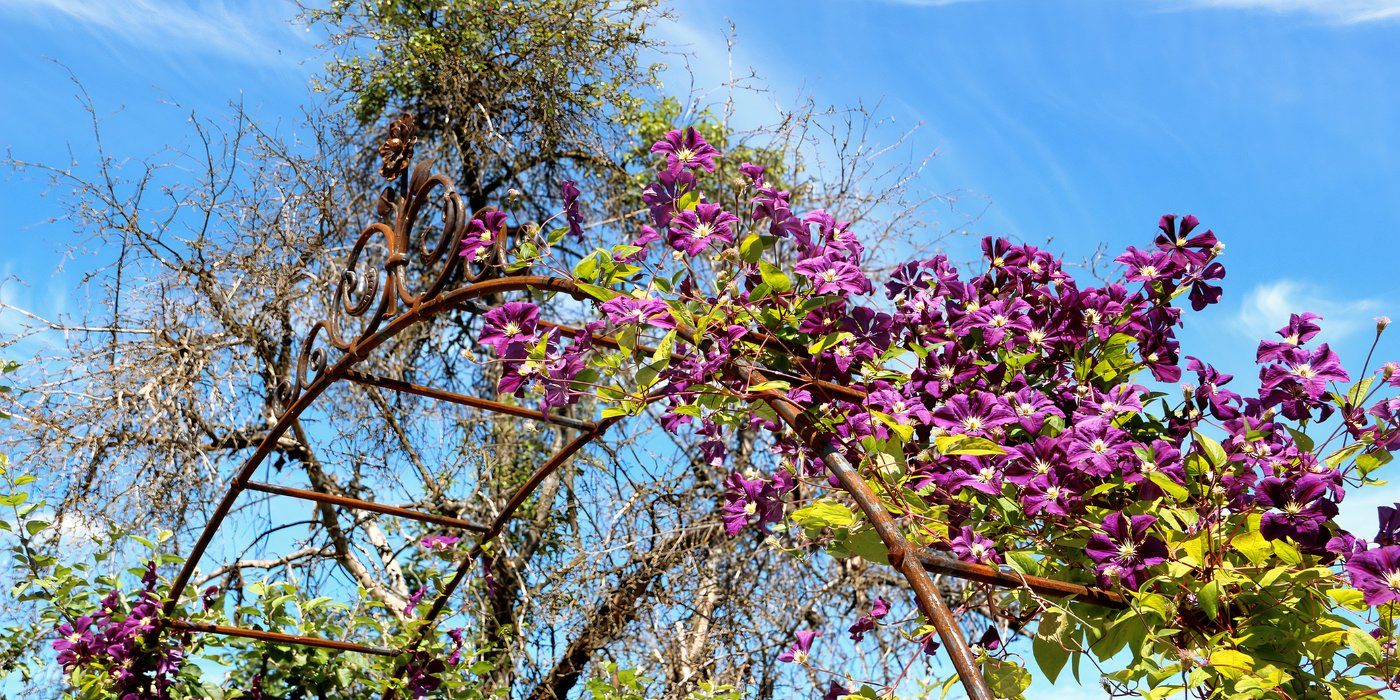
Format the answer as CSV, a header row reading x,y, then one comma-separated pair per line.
x,y
367,295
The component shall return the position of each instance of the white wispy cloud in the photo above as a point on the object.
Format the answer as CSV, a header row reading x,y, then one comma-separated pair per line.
x,y
1341,11
257,31
1266,307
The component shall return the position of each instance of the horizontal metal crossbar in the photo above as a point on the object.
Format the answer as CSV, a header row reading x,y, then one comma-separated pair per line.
x,y
279,637
466,400
1041,585
357,504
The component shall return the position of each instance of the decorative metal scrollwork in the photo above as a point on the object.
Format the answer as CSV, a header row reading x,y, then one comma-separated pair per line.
x,y
414,265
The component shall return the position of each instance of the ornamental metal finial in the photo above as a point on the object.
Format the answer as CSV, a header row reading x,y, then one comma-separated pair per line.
x,y
397,150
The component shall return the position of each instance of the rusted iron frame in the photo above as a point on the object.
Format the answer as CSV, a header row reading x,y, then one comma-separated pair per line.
x,y
465,400
915,568
421,309
278,637
358,504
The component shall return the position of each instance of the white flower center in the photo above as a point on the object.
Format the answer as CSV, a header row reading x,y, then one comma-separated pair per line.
x,y
1305,371
1392,580
1025,409
999,320
1098,446
684,154
1052,493
829,275
704,230
1126,551
977,550
972,423
510,329
1147,271
1036,336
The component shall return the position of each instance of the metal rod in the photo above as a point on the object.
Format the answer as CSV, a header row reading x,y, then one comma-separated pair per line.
x,y
926,593
465,400
358,504
278,637
1041,585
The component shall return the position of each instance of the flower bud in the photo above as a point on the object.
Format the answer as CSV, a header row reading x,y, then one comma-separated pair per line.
x,y
1381,323
1388,370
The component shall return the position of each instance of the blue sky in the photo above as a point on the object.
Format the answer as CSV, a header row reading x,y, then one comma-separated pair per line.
x,y
1275,121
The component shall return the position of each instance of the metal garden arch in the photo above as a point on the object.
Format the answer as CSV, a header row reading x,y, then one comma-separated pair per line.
x,y
385,304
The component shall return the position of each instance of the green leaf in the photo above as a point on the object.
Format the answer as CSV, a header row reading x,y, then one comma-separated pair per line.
x,y
1372,460
1337,458
966,445
34,527
1006,679
599,293
589,267
1359,390
689,200
1175,491
1209,598
1212,450
1024,562
1253,546
1231,664
1287,552
905,432
867,545
1349,598
1049,656
1365,646
773,277
820,514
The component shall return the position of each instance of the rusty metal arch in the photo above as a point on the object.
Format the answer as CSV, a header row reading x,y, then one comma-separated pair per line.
x,y
396,308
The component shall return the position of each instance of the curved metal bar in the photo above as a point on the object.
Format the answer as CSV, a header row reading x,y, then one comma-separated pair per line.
x,y
355,352
388,291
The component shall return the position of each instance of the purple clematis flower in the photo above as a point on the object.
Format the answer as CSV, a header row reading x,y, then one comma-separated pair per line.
x,y
570,193
1124,550
1300,329
1001,319
900,408
832,275
973,414
1389,532
482,233
1032,408
645,312
686,150
866,622
439,543
692,231
1304,505
1098,448
970,546
512,323
1147,266
747,498
801,649
1376,573
1183,248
